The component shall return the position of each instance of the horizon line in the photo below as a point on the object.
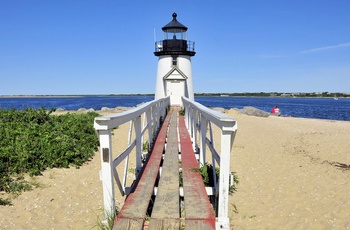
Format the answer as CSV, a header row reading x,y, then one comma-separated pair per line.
x,y
152,94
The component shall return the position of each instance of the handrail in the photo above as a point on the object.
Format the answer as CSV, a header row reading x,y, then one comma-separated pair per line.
x,y
152,112
179,45
198,118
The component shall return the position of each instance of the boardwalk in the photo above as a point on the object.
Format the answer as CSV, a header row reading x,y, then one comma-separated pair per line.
x,y
168,191
156,200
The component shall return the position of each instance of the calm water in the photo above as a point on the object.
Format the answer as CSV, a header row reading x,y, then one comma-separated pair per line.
x,y
324,108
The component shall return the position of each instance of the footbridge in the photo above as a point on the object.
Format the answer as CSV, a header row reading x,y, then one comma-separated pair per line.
x,y
169,146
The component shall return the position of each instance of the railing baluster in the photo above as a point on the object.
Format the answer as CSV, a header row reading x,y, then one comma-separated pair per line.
x,y
149,128
137,126
126,165
203,136
194,132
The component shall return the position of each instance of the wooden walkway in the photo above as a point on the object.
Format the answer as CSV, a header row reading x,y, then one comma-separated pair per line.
x,y
166,209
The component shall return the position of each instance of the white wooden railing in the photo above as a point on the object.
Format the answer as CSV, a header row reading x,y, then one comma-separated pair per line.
x,y
151,112
199,119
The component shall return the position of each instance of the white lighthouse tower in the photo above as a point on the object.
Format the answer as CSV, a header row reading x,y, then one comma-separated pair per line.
x,y
174,74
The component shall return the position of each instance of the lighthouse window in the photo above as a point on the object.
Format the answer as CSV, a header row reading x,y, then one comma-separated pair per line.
x,y
174,60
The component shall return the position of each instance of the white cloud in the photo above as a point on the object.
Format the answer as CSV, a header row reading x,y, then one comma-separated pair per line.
x,y
326,48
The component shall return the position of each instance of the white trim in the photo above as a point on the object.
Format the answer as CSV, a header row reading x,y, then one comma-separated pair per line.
x,y
171,73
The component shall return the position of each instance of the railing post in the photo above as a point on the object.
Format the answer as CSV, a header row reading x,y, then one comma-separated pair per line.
x,y
224,179
137,125
149,128
192,111
157,117
190,120
194,131
106,172
203,137
186,108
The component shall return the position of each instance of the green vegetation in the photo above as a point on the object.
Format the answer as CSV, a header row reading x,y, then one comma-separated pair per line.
x,y
132,171
182,112
107,224
206,171
34,140
234,208
145,146
5,202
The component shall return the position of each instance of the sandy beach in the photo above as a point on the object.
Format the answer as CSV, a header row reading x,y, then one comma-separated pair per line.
x,y
294,174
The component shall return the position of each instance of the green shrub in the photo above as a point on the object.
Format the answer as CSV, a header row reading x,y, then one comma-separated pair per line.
x,y
206,171
182,112
16,187
33,140
5,202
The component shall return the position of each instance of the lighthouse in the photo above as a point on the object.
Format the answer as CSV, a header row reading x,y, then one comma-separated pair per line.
x,y
174,73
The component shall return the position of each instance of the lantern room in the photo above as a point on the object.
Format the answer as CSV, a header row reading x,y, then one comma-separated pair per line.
x,y
174,40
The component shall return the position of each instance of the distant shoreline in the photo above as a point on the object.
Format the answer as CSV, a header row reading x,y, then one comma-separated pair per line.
x,y
39,96
276,95
72,96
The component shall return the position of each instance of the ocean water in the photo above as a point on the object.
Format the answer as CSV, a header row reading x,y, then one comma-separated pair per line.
x,y
321,108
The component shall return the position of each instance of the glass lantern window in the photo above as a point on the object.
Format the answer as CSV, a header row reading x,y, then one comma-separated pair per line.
x,y
177,34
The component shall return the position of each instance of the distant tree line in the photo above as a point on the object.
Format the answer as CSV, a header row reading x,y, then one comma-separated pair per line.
x,y
276,94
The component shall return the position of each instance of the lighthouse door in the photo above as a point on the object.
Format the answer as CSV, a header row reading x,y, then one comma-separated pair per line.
x,y
176,89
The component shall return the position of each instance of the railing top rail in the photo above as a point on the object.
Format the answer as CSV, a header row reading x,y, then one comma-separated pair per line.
x,y
222,120
113,120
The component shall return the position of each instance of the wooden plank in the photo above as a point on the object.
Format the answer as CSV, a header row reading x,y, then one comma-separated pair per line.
x,y
135,207
126,223
199,224
157,224
166,209
198,210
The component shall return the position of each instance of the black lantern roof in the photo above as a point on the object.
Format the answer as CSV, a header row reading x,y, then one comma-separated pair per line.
x,y
174,24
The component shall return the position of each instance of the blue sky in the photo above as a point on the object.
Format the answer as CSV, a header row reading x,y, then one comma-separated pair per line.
x,y
62,47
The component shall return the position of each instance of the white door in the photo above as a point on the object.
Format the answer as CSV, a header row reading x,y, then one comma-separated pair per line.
x,y
176,91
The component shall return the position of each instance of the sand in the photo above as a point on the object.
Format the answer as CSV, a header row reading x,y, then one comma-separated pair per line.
x,y
294,174
290,173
